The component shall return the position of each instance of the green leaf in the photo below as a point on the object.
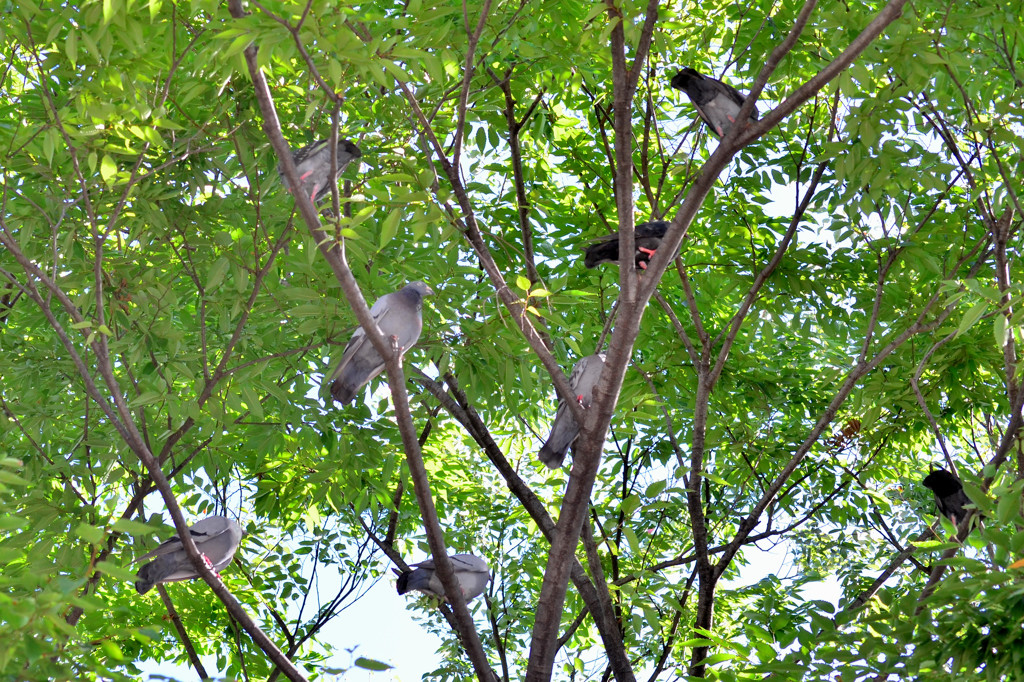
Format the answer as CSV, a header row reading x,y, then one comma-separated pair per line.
x,y
125,573
1000,330
1008,508
90,533
216,274
108,169
370,664
972,316
132,527
389,228
10,478
9,523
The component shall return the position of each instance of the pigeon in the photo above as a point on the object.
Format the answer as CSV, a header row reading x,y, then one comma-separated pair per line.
x,y
216,537
399,315
313,165
646,236
717,103
565,430
471,572
949,494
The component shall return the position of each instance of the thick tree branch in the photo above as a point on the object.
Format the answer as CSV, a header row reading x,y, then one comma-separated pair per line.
x,y
587,459
334,255
461,410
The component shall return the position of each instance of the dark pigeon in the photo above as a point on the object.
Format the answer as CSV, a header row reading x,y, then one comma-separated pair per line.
x,y
949,494
471,572
565,430
313,165
216,537
646,238
399,315
717,103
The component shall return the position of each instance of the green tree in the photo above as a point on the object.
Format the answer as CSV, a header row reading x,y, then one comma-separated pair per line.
x,y
842,313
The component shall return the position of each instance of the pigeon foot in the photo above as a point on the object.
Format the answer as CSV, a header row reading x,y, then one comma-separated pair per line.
x,y
209,565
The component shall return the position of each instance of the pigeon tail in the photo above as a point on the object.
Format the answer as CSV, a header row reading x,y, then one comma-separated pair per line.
x,y
153,572
342,393
551,457
606,251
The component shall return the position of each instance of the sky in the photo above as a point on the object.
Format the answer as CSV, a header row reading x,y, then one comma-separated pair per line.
x,y
378,627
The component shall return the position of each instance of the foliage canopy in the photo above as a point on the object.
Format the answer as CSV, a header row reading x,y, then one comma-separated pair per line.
x,y
843,313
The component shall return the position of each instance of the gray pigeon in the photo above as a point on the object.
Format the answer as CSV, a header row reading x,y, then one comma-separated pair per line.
x,y
949,494
216,537
399,315
313,165
471,572
717,103
565,430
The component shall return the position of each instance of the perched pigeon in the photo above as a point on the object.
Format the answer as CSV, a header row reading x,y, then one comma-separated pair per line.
x,y
949,494
216,537
717,103
646,237
313,164
565,430
400,317
471,572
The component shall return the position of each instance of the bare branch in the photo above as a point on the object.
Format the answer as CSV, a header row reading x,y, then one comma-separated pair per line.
x,y
186,642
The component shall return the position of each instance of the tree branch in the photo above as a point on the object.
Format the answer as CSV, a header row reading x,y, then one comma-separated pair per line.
x,y
190,650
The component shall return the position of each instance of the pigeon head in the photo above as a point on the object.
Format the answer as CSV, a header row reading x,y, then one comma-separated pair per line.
x,y
942,483
420,288
350,148
681,80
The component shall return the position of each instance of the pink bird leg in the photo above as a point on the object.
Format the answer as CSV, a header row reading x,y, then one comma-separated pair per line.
x,y
209,565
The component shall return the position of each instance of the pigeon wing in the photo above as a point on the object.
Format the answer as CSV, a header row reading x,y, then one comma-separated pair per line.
x,y
220,547
200,531
313,166
473,574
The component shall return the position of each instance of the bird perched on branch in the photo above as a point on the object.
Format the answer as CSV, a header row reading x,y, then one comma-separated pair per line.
x,y
471,572
646,240
717,103
313,165
216,537
565,430
399,315
949,494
